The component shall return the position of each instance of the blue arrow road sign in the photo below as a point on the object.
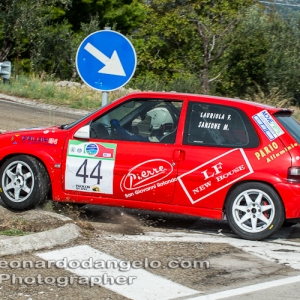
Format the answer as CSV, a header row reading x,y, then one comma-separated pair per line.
x,y
106,60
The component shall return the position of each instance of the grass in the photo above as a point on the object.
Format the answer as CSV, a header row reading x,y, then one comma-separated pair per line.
x,y
275,97
48,92
45,90
13,232
12,226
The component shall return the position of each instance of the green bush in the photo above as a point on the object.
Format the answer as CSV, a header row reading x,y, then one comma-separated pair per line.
x,y
181,85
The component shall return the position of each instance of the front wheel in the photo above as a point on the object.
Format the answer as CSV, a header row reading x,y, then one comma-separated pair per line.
x,y
254,211
24,182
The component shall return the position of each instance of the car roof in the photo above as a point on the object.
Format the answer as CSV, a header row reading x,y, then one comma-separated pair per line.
x,y
235,102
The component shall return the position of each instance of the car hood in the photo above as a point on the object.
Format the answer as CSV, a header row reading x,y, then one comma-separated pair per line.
x,y
37,136
43,129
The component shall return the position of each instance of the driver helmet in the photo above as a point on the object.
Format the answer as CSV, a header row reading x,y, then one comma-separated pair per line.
x,y
159,116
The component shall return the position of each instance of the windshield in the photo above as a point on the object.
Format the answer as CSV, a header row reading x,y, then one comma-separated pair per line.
x,y
68,126
290,124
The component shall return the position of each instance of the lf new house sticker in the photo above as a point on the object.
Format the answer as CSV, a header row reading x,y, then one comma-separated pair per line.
x,y
215,175
90,167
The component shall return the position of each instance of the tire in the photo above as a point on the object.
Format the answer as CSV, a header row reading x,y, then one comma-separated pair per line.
x,y
24,182
254,211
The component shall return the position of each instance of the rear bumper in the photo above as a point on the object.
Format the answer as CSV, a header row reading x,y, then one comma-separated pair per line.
x,y
290,195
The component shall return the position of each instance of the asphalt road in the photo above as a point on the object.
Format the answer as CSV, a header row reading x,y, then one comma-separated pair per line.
x,y
131,235
14,116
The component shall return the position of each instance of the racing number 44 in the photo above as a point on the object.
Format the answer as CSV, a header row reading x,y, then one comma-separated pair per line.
x,y
94,174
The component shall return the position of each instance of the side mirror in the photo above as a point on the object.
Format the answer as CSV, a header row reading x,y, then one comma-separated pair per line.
x,y
83,132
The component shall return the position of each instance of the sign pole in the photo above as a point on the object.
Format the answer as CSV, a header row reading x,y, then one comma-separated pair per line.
x,y
105,94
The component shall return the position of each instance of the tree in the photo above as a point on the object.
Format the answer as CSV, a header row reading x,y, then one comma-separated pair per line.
x,y
48,31
245,60
283,62
187,36
54,50
21,22
124,15
164,43
265,54
215,21
9,13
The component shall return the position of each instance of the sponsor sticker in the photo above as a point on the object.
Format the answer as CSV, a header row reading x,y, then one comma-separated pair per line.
x,y
268,125
27,139
92,149
215,175
146,174
90,167
272,151
52,141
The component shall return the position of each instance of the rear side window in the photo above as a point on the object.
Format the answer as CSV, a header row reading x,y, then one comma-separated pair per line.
x,y
290,124
218,125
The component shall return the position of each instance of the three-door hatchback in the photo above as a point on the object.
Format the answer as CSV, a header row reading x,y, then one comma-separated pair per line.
x,y
179,153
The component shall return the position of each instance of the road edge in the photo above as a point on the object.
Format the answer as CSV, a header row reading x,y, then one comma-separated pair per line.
x,y
43,106
40,240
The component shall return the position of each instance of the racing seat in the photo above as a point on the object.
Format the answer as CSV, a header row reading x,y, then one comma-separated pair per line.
x,y
98,130
135,130
169,138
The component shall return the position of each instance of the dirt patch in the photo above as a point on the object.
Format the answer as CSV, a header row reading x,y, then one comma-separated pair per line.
x,y
122,224
207,267
30,221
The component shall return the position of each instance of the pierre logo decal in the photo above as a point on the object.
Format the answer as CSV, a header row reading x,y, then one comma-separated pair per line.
x,y
146,174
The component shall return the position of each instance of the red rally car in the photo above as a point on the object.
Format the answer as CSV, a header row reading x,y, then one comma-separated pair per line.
x,y
180,153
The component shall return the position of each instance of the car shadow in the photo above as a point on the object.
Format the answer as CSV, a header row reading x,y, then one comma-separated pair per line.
x,y
154,220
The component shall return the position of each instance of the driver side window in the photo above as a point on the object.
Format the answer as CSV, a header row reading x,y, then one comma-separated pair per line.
x,y
145,120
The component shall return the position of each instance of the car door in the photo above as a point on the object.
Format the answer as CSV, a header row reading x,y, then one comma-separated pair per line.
x,y
133,160
215,144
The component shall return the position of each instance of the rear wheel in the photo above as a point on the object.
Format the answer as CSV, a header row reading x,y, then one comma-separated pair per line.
x,y
24,182
254,211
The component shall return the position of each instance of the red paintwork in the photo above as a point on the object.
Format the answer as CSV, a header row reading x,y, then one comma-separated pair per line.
x,y
192,168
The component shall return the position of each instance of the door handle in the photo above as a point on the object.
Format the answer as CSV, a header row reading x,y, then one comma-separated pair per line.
x,y
178,155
